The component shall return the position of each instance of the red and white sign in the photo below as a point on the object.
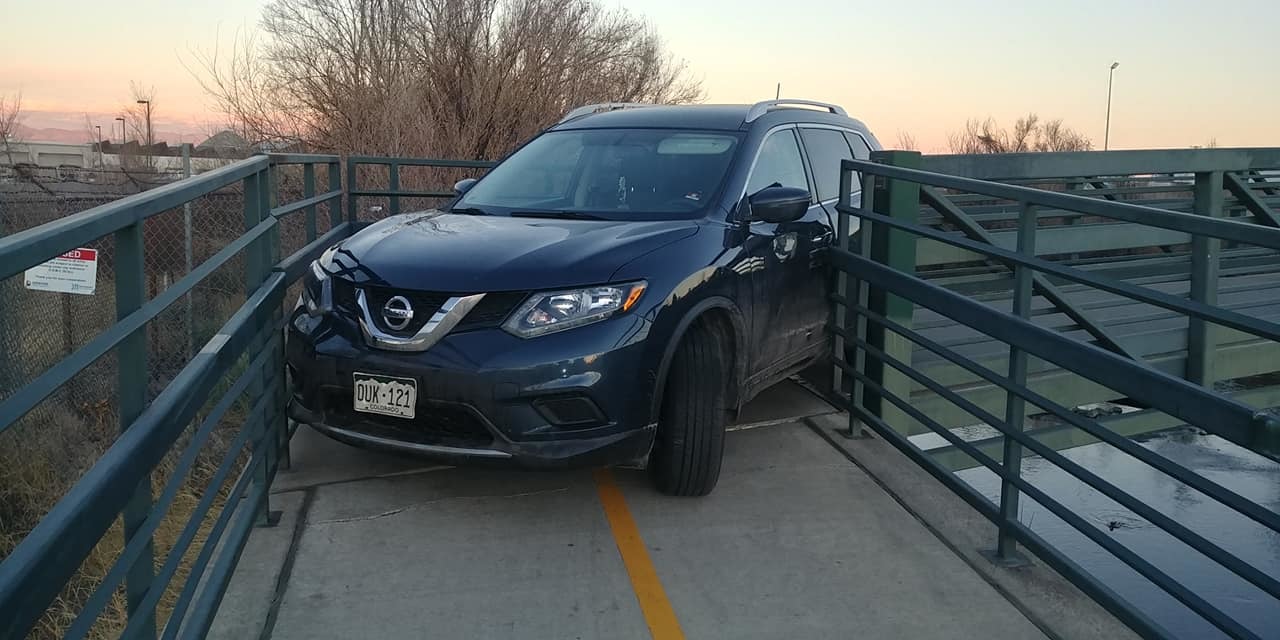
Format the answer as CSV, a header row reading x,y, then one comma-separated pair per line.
x,y
75,271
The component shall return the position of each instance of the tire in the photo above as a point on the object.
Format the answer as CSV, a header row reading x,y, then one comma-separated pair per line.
x,y
689,444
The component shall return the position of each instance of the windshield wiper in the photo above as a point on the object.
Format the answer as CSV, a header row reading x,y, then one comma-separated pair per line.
x,y
470,211
563,215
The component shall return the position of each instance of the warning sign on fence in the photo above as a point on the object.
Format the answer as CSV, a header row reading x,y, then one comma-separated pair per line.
x,y
75,271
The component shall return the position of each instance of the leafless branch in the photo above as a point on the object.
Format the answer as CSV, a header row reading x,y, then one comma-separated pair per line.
x,y
456,78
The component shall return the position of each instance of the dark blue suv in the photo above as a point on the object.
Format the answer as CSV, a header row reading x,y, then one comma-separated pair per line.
x,y
611,292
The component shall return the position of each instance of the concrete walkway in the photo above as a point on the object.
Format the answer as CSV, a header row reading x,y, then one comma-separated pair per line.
x,y
796,542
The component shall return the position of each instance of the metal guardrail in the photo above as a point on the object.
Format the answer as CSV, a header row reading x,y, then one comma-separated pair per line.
x,y
393,192
877,289
118,485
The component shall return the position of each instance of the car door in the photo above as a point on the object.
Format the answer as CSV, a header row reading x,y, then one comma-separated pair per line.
x,y
790,306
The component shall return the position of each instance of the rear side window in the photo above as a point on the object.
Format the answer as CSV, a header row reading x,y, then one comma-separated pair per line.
x,y
860,151
826,147
778,163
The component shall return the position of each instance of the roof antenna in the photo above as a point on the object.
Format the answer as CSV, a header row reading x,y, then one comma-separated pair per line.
x,y
778,94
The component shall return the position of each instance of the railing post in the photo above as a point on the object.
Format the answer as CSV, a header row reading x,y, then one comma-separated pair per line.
x,y
258,261
1202,341
132,378
840,310
351,190
899,199
309,191
187,251
393,185
861,295
1015,407
335,205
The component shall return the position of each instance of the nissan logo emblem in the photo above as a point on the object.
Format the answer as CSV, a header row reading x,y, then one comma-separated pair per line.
x,y
397,312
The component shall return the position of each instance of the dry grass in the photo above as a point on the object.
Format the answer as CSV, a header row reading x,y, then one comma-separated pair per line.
x,y
45,453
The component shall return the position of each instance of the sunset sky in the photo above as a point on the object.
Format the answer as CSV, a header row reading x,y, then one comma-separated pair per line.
x,y
1189,72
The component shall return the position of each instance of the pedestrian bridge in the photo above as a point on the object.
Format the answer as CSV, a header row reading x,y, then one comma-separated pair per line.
x,y
991,314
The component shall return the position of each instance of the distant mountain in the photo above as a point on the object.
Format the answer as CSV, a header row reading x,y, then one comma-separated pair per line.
x,y
62,126
48,134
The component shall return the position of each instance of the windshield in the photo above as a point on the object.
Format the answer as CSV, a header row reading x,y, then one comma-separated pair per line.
x,y
608,172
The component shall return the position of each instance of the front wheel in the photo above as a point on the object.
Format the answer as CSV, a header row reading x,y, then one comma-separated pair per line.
x,y
690,440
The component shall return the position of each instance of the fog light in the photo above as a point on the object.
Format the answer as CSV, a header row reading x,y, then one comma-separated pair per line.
x,y
569,411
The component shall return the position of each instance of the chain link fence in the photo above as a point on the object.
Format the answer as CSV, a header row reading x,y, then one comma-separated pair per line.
x,y
46,451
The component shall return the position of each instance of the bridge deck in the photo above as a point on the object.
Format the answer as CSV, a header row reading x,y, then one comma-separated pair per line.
x,y
796,542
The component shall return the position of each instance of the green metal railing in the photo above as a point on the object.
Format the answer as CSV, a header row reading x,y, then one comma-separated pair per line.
x,y
119,483
878,289
393,191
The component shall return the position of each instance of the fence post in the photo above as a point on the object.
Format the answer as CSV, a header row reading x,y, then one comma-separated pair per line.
x,y
335,205
257,207
309,191
132,378
898,199
1015,407
351,190
1202,336
393,185
187,249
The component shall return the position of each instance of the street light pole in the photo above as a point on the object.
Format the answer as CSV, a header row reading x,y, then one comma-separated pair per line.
x,y
1106,136
123,135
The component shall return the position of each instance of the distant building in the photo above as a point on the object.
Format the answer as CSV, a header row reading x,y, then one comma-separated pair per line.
x,y
50,154
224,143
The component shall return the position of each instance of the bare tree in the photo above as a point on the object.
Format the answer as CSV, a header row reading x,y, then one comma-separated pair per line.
x,y
10,122
1029,133
907,142
457,78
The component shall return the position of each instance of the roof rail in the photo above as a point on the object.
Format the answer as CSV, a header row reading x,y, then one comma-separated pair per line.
x,y
760,108
603,106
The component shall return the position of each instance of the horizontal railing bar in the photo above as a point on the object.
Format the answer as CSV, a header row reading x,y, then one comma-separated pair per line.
x,y
173,561
422,162
295,265
1122,553
303,158
210,545
217,578
1193,403
1222,228
1224,317
35,571
1113,602
33,393
284,210
142,536
1101,164
1266,583
1230,499
404,194
25,249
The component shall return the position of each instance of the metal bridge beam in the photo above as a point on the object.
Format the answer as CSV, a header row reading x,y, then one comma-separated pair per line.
x,y
1250,200
955,215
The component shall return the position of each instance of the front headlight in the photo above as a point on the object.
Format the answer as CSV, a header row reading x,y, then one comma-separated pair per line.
x,y
317,290
555,311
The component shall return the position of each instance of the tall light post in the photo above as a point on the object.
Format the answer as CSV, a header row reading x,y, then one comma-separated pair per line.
x,y
1106,136
149,141
123,135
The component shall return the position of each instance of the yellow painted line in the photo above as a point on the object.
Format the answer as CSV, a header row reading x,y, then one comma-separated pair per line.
x,y
654,604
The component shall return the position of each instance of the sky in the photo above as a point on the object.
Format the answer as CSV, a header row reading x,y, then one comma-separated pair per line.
x,y
1190,72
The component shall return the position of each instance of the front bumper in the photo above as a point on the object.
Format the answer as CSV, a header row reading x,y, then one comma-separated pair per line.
x,y
483,394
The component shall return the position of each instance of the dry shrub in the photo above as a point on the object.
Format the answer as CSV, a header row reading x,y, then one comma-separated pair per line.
x,y
435,78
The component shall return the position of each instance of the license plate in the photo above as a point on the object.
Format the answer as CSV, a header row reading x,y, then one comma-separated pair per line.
x,y
385,395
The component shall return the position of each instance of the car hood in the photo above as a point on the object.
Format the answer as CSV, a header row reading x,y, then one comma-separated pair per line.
x,y
438,251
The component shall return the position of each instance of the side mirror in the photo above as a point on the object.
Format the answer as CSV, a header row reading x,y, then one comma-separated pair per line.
x,y
464,185
777,204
